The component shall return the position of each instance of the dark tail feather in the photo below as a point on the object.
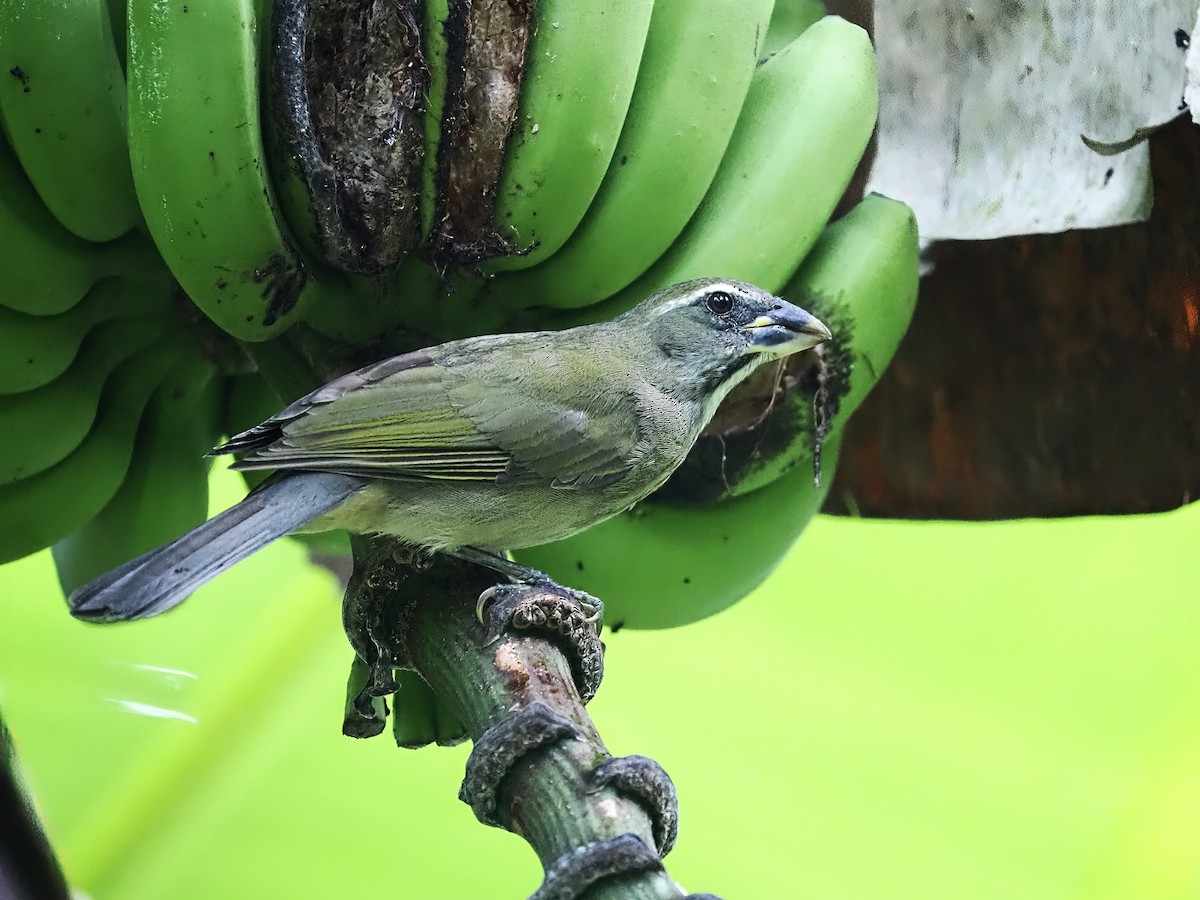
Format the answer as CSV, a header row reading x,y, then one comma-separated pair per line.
x,y
164,578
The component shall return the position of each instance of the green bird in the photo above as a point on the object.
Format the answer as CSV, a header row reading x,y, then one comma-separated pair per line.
x,y
484,444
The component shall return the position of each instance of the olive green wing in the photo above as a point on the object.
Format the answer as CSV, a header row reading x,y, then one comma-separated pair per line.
x,y
413,417
573,442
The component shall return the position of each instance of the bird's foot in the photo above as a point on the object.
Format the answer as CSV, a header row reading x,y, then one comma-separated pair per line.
x,y
500,747
645,782
591,609
366,710
365,714
535,727
574,873
524,575
567,616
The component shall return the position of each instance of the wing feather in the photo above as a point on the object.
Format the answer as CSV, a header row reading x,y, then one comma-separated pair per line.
x,y
448,416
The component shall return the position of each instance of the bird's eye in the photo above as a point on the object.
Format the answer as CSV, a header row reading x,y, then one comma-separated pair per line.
x,y
719,303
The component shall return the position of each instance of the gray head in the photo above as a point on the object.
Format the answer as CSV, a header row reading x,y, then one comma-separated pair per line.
x,y
716,331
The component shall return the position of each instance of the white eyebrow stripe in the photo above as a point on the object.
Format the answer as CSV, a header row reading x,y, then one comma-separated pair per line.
x,y
690,297
685,300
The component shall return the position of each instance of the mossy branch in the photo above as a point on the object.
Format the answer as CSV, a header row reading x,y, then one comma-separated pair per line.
x,y
544,788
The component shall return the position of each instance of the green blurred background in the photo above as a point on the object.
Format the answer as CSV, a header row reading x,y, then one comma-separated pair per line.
x,y
1004,710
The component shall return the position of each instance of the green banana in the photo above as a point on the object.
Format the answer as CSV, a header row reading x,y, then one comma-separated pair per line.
x,y
198,164
54,420
807,118
47,269
884,232
165,491
659,566
64,112
862,274
42,509
789,20
680,120
435,15
580,71
35,350
199,168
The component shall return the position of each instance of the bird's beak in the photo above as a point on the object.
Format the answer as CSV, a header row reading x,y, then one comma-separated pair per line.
x,y
786,329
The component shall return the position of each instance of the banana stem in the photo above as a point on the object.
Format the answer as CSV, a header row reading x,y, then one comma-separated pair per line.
x,y
546,795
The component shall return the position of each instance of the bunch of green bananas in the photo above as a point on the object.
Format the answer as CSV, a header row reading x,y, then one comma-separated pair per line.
x,y
570,159
100,386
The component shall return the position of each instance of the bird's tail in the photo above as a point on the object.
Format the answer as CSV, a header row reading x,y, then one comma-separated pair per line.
x,y
163,578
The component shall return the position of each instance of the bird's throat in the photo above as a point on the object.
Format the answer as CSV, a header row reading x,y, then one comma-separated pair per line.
x,y
725,378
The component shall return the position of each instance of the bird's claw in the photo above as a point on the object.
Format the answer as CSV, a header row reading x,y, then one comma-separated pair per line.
x,y
499,749
643,781
592,607
575,872
555,611
486,599
537,726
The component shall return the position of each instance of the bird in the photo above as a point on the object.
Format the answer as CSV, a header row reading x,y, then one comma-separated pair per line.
x,y
484,444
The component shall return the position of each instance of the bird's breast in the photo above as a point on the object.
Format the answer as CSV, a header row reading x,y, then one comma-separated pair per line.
x,y
457,514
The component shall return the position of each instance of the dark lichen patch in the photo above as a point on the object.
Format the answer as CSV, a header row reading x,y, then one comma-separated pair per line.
x,y
348,88
829,379
486,42
282,280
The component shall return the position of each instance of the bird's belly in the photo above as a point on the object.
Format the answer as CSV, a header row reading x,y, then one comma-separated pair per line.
x,y
444,514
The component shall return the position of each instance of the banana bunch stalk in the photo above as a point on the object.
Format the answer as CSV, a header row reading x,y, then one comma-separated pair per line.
x,y
342,183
